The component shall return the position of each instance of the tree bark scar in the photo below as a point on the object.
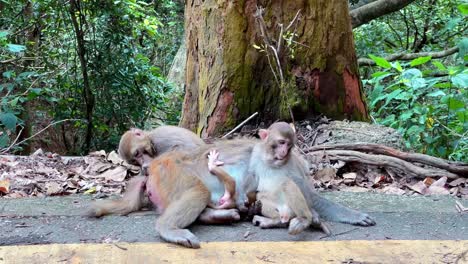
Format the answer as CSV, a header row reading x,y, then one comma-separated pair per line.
x,y
353,100
327,89
221,111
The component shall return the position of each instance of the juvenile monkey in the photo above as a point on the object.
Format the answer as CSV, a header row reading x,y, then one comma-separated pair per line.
x,y
227,200
273,162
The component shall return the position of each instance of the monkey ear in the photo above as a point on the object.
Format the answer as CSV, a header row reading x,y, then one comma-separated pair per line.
x,y
137,131
293,127
263,133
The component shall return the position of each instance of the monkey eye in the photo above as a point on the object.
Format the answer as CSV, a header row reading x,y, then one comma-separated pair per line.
x,y
281,142
138,154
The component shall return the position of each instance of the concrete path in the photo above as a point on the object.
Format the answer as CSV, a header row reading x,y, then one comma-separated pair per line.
x,y
58,220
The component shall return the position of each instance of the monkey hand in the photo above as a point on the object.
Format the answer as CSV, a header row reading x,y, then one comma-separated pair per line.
x,y
213,161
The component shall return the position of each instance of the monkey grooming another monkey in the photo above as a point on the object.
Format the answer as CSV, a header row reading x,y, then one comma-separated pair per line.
x,y
239,157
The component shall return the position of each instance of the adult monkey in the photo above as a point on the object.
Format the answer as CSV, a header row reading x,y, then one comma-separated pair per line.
x,y
140,147
271,154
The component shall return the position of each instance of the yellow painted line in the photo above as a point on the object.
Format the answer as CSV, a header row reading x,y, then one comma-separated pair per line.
x,y
388,251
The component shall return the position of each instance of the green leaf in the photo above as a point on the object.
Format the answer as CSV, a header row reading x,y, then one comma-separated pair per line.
x,y
455,104
380,73
4,140
406,115
7,74
397,66
3,34
436,93
420,60
36,91
15,48
463,8
411,74
9,120
462,47
14,102
439,65
443,85
460,80
256,46
461,116
381,61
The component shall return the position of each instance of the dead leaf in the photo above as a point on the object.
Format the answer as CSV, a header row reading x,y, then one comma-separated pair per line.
x,y
91,190
53,188
4,186
457,182
437,190
354,189
340,164
453,191
37,153
428,181
419,187
440,182
325,174
378,180
100,153
349,177
117,174
114,158
393,190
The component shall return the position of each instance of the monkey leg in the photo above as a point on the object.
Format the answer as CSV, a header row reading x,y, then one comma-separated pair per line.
x,y
329,210
132,200
271,217
220,216
297,203
181,213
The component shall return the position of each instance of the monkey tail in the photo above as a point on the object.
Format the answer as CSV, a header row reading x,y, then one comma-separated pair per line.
x,y
132,200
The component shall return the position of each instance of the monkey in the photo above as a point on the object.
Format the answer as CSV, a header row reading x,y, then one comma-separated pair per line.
x,y
139,147
274,162
276,153
239,161
182,187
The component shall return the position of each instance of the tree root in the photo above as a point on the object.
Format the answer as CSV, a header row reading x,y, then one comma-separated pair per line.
x,y
392,159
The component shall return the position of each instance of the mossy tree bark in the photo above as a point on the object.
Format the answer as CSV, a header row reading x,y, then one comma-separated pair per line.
x,y
227,79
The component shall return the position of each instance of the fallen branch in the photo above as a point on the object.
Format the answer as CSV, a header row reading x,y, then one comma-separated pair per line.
x,y
384,161
241,124
410,56
455,167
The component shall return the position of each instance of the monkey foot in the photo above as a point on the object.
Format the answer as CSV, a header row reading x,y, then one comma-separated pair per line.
x,y
359,218
297,225
182,237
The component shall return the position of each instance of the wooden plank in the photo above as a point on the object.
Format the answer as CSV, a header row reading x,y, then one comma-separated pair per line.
x,y
388,251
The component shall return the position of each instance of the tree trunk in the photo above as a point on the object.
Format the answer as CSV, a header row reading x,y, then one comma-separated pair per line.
x,y
75,10
227,79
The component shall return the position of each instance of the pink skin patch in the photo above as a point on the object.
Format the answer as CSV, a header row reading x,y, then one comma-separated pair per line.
x,y
154,197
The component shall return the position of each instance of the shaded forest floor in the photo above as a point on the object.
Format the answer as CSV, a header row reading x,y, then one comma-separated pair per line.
x,y
101,174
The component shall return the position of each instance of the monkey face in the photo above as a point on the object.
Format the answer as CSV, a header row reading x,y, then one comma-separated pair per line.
x,y
136,148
